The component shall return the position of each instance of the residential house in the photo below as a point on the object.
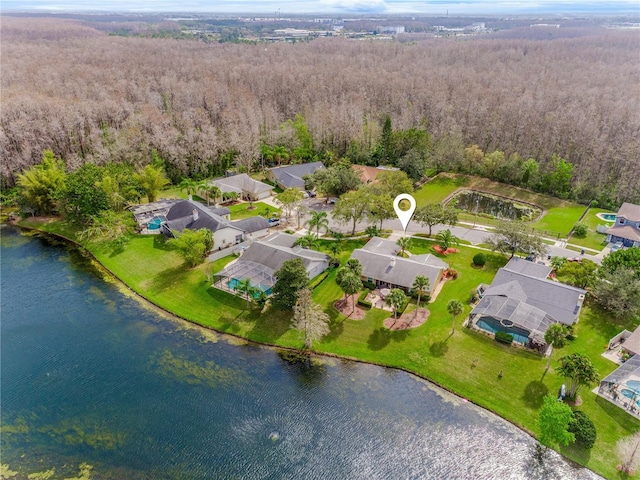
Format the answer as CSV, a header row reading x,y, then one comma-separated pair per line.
x,y
248,188
626,229
622,386
264,257
522,301
369,174
290,176
382,266
194,215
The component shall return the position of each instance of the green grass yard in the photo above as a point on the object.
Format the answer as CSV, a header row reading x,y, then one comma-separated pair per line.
x,y
466,362
241,210
594,240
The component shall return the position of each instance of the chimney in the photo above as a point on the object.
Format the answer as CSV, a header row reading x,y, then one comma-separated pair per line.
x,y
195,214
580,300
190,197
392,263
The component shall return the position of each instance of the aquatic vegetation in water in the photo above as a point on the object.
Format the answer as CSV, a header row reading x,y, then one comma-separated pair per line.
x,y
6,472
84,472
46,475
79,434
179,368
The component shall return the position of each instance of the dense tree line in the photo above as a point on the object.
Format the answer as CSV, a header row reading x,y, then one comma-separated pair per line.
x,y
91,97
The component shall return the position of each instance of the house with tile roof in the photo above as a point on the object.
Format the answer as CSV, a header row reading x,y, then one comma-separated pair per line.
x,y
626,229
291,176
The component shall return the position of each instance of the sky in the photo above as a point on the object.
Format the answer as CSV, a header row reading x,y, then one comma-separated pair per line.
x,y
333,7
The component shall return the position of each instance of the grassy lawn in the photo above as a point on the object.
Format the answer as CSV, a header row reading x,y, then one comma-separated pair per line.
x,y
557,221
438,188
466,362
241,210
560,220
594,240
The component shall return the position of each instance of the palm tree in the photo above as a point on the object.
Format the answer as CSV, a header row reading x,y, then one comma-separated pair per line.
x,y
454,307
244,286
350,284
307,241
188,185
396,299
420,286
319,220
335,248
446,239
230,196
354,265
213,191
403,243
280,153
555,336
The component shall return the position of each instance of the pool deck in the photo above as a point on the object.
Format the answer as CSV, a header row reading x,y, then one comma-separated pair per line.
x,y
613,393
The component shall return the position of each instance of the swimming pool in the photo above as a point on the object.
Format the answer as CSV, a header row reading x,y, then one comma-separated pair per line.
x,y
630,394
633,384
492,325
607,217
234,282
155,223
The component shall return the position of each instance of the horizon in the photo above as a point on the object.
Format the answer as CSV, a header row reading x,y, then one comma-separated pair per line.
x,y
285,8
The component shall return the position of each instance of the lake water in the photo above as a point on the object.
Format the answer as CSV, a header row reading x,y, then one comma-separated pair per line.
x,y
90,377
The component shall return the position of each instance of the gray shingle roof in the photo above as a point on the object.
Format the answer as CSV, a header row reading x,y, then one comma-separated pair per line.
x,y
241,183
624,231
389,247
556,299
270,253
629,211
532,269
393,269
290,176
251,224
180,216
632,343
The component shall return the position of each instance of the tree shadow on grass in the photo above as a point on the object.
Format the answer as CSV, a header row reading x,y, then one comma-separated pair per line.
x,y
379,339
618,414
336,328
576,452
269,326
160,243
169,277
399,335
439,349
534,394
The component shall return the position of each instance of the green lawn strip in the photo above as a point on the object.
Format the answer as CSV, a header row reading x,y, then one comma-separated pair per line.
x,y
594,240
466,362
438,188
559,220
241,210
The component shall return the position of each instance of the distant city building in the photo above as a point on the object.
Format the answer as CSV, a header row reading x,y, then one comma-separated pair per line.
x,y
391,29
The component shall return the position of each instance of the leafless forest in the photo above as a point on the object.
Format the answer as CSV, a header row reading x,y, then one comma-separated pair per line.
x,y
93,97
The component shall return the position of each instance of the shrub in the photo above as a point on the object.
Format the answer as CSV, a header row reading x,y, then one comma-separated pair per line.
x,y
451,273
583,428
369,285
580,230
479,259
362,299
319,279
504,337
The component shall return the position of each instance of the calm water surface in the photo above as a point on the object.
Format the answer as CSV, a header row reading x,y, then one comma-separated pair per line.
x,y
90,377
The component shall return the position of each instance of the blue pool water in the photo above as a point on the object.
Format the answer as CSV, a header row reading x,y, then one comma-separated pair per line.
x,y
233,283
634,384
609,217
630,394
491,325
155,223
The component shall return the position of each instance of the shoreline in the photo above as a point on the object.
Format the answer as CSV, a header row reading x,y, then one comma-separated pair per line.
x,y
105,271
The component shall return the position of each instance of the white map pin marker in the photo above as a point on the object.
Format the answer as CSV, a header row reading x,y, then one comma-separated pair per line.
x,y
404,215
